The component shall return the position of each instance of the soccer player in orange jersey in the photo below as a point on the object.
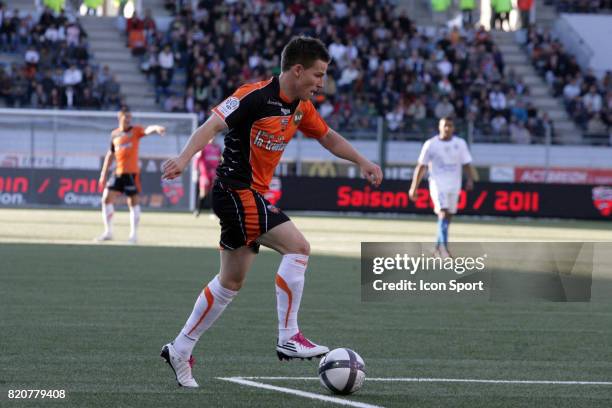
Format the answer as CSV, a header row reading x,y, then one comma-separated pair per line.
x,y
261,118
125,141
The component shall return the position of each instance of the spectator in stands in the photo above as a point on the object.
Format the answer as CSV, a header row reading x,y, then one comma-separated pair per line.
x,y
189,100
149,26
73,34
524,8
395,118
72,76
150,62
417,113
467,9
348,77
136,35
497,99
596,126
499,124
162,83
32,57
104,75
39,97
444,108
55,99
592,101
440,11
166,61
88,100
19,93
519,133
571,90
112,95
326,109
444,86
174,103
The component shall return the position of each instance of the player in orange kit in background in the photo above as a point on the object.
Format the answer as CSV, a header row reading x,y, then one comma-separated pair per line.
x,y
125,141
207,162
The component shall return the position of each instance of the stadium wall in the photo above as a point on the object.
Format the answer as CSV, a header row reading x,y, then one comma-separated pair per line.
x,y
582,35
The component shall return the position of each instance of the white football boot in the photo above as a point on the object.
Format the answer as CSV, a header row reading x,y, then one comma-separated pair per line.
x,y
299,346
107,236
180,365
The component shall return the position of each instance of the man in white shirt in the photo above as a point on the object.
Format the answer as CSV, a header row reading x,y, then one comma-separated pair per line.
x,y
73,76
497,99
445,156
592,100
571,90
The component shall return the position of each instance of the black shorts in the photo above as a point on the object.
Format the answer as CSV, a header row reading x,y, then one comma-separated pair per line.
x,y
128,183
244,215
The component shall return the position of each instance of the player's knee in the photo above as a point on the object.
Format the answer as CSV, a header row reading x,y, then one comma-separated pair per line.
x,y
231,282
301,247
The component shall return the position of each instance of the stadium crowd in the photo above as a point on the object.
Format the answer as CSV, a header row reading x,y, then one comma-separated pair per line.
x,y
56,70
587,98
383,65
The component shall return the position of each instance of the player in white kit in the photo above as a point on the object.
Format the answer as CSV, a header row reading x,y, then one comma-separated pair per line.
x,y
445,157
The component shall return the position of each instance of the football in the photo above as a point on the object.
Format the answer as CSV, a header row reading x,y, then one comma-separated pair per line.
x,y
342,371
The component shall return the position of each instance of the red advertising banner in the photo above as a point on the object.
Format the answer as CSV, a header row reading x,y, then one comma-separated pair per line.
x,y
561,175
79,188
498,199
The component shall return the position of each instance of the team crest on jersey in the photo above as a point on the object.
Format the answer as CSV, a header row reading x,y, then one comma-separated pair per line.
x,y
602,199
229,105
297,118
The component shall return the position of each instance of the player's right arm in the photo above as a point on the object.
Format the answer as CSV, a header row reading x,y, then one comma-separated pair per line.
x,y
419,171
417,176
173,168
108,161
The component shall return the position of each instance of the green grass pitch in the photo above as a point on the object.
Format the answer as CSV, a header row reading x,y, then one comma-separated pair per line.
x,y
90,319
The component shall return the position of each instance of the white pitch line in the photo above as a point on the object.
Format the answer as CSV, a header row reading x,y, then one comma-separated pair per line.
x,y
458,380
311,395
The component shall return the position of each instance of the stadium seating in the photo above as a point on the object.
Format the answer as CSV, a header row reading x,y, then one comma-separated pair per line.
x,y
50,65
587,98
424,74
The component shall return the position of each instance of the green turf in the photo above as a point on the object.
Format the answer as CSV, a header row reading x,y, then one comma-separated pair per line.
x,y
90,319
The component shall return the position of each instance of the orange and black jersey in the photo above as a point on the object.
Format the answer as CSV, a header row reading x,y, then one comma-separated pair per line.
x,y
124,144
261,123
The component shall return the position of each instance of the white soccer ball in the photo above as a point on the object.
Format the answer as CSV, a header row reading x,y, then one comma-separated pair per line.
x,y
342,371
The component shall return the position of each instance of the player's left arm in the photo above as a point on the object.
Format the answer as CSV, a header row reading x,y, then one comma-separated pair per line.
x,y
471,175
160,130
470,172
340,147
